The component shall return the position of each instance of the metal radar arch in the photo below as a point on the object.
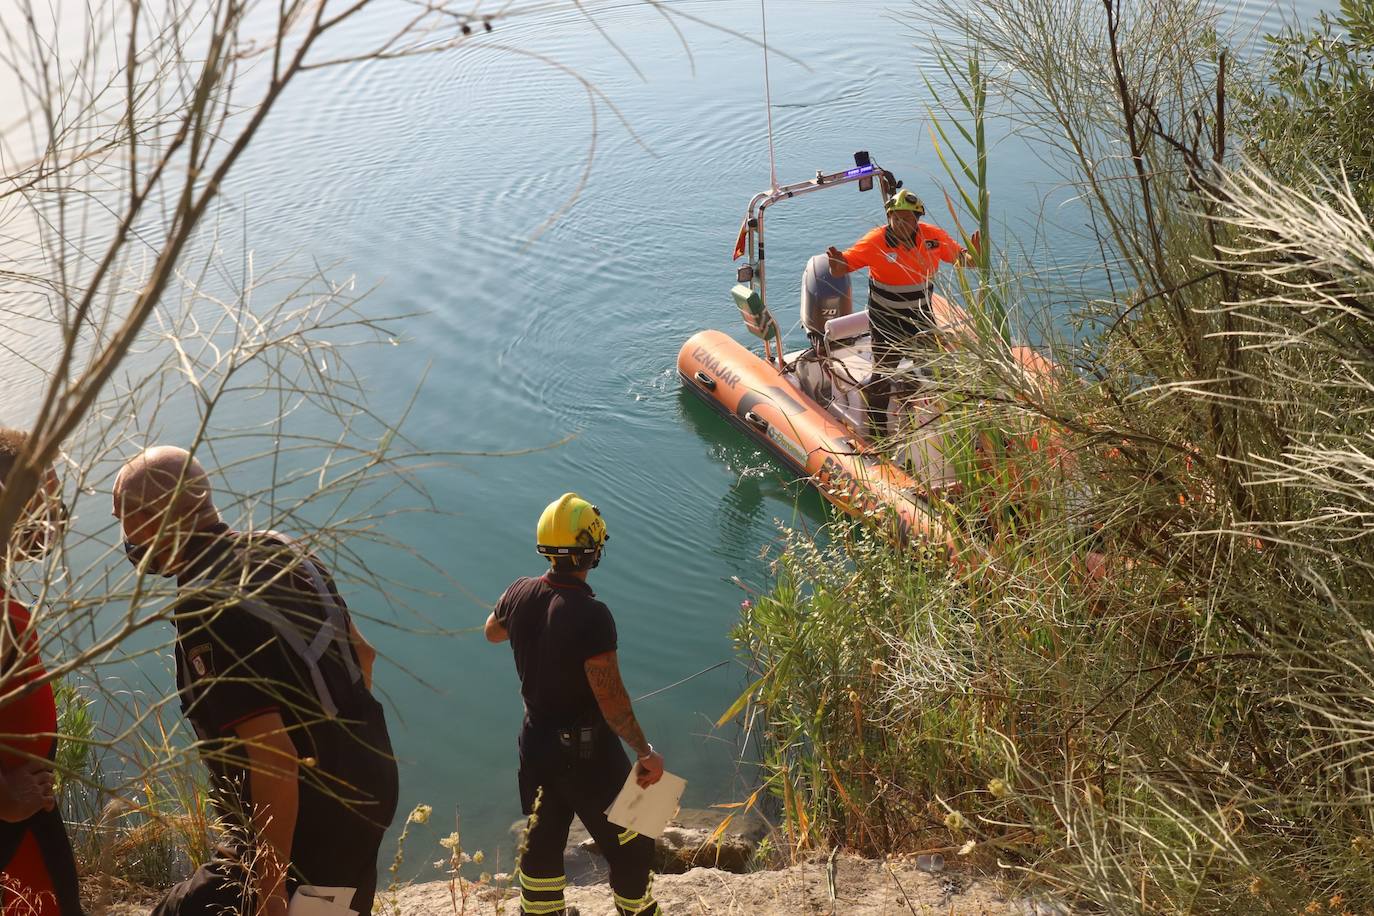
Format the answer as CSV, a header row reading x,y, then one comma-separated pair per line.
x,y
751,242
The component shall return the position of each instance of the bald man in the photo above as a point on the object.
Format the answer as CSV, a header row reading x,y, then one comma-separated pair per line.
x,y
276,680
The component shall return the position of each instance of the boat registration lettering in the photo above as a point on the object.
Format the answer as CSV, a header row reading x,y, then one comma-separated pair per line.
x,y
718,369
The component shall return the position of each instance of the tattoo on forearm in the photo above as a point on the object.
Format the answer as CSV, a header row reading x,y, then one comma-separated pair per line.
x,y
626,727
603,674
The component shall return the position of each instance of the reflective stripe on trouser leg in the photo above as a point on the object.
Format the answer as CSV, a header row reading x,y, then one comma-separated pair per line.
x,y
642,906
542,896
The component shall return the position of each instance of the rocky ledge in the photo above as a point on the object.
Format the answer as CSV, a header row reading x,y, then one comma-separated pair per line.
x,y
694,839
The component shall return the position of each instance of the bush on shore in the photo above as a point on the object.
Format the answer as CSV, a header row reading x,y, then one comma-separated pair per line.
x,y
1148,678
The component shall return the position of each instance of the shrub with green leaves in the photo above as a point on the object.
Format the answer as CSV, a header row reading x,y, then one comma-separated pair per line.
x,y
1146,680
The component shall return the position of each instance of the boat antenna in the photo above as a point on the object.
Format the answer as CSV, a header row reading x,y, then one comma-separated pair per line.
x,y
768,99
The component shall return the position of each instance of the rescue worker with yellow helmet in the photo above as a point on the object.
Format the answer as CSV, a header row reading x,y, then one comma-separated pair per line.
x,y
571,761
902,258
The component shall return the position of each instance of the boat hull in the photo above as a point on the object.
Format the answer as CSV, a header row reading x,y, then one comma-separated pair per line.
x,y
751,393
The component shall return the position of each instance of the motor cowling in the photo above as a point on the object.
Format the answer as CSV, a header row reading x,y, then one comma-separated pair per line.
x,y
824,296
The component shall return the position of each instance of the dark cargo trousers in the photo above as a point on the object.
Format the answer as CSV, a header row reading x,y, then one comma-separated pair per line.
x,y
341,851
568,776
893,335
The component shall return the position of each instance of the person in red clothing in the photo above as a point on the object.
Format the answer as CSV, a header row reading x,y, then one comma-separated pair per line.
x,y
902,258
35,855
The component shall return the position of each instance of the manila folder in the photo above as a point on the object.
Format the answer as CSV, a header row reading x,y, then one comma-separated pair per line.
x,y
321,901
646,811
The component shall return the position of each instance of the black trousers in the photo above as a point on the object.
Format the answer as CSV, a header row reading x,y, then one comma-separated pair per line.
x,y
892,335
335,850
579,778
223,887
51,834
218,888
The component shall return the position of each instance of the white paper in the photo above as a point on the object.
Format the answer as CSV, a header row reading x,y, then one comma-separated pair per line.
x,y
343,896
309,900
646,811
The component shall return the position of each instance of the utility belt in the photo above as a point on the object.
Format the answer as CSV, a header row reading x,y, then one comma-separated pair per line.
x,y
572,742
580,743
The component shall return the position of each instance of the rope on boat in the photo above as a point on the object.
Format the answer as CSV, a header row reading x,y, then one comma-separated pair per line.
x,y
684,680
768,99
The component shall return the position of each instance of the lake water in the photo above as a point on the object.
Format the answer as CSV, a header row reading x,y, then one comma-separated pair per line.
x,y
433,177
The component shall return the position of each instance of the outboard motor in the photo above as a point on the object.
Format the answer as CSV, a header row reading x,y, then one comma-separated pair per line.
x,y
824,296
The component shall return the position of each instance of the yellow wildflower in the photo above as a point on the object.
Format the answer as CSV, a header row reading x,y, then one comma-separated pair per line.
x,y
450,842
954,821
420,815
999,788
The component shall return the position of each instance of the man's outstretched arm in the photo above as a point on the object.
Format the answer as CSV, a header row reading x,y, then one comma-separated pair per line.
x,y
603,674
966,257
838,265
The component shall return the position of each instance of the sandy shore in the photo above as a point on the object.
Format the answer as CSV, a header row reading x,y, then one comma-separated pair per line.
x,y
861,887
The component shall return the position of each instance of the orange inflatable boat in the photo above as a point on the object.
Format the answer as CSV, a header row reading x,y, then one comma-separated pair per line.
x,y
769,406
808,407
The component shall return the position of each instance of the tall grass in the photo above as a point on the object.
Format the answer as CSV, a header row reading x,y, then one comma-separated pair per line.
x,y
154,830
1149,687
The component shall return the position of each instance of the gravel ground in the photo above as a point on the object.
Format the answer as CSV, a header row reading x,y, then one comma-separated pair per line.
x,y
861,888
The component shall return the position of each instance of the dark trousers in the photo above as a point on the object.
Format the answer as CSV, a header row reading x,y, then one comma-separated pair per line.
x,y
222,886
892,335
337,849
218,888
51,835
578,778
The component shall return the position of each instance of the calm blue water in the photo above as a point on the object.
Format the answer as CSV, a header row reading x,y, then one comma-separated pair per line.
x,y
436,179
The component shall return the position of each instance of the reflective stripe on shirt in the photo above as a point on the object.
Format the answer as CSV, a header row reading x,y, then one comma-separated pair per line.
x,y
892,298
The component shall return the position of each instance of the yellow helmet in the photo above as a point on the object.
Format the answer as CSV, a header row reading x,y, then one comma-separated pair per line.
x,y
903,199
570,527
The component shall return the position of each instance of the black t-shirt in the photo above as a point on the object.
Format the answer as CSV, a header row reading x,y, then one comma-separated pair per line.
x,y
232,666
555,624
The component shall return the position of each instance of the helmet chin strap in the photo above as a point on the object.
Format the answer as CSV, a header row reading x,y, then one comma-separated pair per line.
x,y
581,561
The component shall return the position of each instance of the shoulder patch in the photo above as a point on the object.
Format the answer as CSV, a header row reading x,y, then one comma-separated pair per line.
x,y
201,659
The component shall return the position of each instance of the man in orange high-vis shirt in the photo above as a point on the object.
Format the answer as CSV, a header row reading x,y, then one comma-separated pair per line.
x,y
902,258
36,861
